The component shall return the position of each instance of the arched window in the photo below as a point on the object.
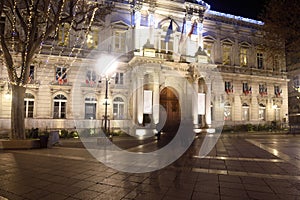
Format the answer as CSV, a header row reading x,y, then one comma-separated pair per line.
x,y
28,105
262,112
245,112
227,112
59,107
226,52
118,108
244,56
90,108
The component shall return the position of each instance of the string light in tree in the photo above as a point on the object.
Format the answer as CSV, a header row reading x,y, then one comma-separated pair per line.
x,y
70,27
78,37
56,32
45,28
14,25
27,41
85,36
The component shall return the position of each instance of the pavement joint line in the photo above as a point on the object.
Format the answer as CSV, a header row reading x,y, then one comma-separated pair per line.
x,y
141,146
55,156
276,153
246,174
240,159
194,169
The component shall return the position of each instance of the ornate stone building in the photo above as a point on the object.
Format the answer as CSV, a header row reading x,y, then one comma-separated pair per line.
x,y
198,64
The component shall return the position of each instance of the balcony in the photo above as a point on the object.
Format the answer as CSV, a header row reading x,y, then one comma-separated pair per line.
x,y
251,71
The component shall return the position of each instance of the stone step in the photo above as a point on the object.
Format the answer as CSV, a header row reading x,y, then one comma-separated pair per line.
x,y
4,134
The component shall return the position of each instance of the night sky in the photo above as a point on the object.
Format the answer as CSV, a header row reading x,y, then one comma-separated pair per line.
x,y
248,9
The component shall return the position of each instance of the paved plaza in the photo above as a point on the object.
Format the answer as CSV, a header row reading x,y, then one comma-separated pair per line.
x,y
239,167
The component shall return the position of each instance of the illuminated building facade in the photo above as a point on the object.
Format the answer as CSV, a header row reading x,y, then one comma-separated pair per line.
x,y
198,64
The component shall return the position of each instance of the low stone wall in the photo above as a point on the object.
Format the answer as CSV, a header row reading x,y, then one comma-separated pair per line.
x,y
20,144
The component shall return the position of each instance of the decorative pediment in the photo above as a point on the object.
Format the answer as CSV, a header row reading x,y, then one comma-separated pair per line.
x,y
209,36
246,99
229,98
56,88
120,25
262,100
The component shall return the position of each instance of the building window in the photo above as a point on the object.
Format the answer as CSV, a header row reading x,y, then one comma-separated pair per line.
x,y
226,55
64,34
227,112
245,112
277,113
263,89
277,91
262,112
119,78
166,46
247,89
208,48
118,108
28,105
120,38
243,57
90,108
31,74
228,87
90,78
92,39
61,75
59,108
260,60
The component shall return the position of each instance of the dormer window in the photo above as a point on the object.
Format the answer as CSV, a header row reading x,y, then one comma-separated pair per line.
x,y
260,60
243,57
226,54
119,40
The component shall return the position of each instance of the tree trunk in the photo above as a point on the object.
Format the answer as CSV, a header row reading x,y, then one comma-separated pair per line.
x,y
17,113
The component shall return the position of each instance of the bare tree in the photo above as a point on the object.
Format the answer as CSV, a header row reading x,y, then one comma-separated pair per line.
x,y
28,23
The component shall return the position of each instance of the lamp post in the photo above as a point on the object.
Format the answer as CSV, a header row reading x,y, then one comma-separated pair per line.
x,y
108,65
105,105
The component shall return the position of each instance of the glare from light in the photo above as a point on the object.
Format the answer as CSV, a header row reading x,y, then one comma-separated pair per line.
x,y
140,132
7,96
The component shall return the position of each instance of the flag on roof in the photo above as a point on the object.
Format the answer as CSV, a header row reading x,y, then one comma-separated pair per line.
x,y
169,31
182,31
193,30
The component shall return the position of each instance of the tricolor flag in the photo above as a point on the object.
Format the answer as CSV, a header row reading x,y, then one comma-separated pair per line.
x,y
169,32
182,30
182,36
193,30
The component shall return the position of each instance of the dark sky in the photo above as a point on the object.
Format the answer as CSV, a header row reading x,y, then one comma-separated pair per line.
x,y
248,9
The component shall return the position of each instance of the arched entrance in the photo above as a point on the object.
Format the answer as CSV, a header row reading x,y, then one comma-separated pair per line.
x,y
169,101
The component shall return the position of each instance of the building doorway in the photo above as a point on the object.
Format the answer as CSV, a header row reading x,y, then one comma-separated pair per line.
x,y
169,101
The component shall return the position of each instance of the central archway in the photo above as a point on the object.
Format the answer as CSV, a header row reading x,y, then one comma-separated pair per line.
x,y
169,101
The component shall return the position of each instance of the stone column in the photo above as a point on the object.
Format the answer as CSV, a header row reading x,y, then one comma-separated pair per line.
x,y
134,102
151,24
155,107
140,99
208,105
200,37
195,103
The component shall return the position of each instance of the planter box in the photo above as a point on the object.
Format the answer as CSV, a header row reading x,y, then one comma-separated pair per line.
x,y
20,144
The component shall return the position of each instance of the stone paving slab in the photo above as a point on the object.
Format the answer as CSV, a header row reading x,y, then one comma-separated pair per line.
x,y
238,167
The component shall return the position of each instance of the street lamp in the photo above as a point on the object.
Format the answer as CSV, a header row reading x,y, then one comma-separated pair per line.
x,y
105,105
107,65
